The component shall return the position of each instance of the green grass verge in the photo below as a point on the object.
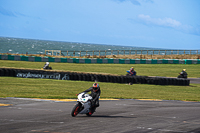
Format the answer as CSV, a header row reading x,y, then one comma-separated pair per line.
x,y
61,89
166,70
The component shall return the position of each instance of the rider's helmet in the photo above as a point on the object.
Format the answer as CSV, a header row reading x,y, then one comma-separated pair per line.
x,y
95,87
47,63
184,69
132,68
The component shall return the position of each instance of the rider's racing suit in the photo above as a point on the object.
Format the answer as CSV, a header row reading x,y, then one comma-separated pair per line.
x,y
183,74
95,96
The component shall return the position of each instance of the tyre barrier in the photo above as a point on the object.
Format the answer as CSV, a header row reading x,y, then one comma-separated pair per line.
x,y
50,74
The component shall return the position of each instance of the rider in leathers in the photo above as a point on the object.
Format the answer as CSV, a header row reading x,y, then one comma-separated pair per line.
x,y
95,93
183,74
46,66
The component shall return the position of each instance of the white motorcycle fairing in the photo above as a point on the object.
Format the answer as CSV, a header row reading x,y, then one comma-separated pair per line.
x,y
83,105
84,99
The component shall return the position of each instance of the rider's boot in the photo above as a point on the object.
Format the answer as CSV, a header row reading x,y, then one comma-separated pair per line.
x,y
92,109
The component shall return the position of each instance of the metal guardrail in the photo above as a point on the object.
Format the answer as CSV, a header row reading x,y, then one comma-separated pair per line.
x,y
53,52
121,52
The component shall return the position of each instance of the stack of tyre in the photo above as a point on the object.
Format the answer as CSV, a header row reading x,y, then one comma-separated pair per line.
x,y
8,72
101,77
128,79
167,81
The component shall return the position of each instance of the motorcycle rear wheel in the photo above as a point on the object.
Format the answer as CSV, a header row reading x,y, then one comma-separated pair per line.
x,y
180,76
76,110
91,112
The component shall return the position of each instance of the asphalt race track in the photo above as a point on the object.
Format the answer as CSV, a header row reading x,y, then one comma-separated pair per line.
x,y
194,80
21,115
114,116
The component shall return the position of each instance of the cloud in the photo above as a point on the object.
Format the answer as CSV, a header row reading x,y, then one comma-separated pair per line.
x,y
150,1
168,23
14,14
6,12
134,2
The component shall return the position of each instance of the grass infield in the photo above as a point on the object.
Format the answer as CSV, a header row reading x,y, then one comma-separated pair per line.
x,y
66,89
166,70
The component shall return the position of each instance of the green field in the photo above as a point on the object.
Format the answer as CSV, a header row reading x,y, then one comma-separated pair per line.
x,y
61,89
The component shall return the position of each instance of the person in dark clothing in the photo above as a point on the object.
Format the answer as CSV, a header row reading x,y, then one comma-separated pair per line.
x,y
95,94
132,72
183,74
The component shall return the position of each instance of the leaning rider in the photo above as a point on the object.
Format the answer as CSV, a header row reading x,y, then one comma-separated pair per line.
x,y
95,94
183,74
46,66
132,71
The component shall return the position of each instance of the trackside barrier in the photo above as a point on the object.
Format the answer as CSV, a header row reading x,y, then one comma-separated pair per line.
x,y
45,74
97,60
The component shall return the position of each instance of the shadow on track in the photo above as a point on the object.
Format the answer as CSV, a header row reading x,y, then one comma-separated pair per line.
x,y
106,116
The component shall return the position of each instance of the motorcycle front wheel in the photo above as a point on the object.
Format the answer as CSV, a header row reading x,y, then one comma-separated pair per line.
x,y
76,109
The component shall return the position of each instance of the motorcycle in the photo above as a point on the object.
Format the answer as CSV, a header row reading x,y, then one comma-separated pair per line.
x,y
182,76
83,105
129,74
46,66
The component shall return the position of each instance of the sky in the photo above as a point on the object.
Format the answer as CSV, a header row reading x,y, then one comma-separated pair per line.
x,y
173,24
